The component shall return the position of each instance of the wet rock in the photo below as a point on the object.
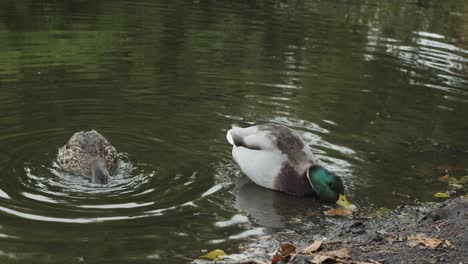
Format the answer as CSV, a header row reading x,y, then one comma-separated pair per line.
x,y
357,228
377,238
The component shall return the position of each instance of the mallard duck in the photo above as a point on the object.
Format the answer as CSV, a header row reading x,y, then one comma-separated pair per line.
x,y
275,157
88,154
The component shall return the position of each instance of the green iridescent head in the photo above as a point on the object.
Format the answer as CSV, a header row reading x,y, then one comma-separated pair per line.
x,y
327,185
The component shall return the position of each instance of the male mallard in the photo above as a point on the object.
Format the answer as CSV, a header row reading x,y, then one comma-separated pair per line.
x,y
275,157
88,154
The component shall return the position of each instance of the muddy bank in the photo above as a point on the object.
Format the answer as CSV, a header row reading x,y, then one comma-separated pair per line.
x,y
428,233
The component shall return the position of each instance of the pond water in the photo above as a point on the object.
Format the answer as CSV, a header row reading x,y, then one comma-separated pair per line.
x,y
378,89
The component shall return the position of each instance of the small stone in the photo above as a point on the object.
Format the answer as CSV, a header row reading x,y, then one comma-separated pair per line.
x,y
377,238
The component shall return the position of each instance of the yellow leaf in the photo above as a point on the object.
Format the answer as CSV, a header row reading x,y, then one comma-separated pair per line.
x,y
422,239
340,211
216,254
314,246
441,195
344,202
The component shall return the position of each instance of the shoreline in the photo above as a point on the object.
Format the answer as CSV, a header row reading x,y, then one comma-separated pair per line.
x,y
434,232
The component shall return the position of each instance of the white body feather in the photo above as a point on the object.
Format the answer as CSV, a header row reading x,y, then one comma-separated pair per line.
x,y
261,165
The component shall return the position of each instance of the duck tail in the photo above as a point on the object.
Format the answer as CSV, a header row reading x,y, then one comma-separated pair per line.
x,y
229,137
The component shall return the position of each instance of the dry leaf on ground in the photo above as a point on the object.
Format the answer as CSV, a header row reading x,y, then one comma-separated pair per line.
x,y
340,211
283,253
314,246
381,232
392,237
422,239
216,254
455,186
342,253
448,244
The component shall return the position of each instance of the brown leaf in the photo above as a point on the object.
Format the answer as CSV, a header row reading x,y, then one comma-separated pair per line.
x,y
287,249
314,246
422,239
283,253
340,211
342,253
276,259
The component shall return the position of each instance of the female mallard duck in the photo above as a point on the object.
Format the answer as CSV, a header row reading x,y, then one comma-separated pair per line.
x,y
88,154
275,157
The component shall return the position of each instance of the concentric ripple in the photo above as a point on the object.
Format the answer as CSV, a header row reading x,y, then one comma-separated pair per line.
x,y
132,192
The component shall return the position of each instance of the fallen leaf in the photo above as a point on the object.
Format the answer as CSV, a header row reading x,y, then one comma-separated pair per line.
x,y
295,220
441,195
381,232
216,254
447,178
314,246
422,239
319,259
344,202
340,211
342,253
448,244
287,249
283,253
392,237
276,259
455,186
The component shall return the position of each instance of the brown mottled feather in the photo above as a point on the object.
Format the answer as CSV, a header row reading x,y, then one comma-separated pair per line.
x,y
83,149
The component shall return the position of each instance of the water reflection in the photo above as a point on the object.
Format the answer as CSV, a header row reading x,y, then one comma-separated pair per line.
x,y
273,209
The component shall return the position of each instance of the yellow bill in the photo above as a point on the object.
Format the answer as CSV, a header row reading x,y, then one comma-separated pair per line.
x,y
344,202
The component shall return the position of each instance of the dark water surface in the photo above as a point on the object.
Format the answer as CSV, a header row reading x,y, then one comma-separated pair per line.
x,y
379,90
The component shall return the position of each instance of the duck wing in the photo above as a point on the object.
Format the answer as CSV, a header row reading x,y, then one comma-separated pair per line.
x,y
267,137
253,137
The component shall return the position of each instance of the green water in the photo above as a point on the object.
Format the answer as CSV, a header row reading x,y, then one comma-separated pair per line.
x,y
378,89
